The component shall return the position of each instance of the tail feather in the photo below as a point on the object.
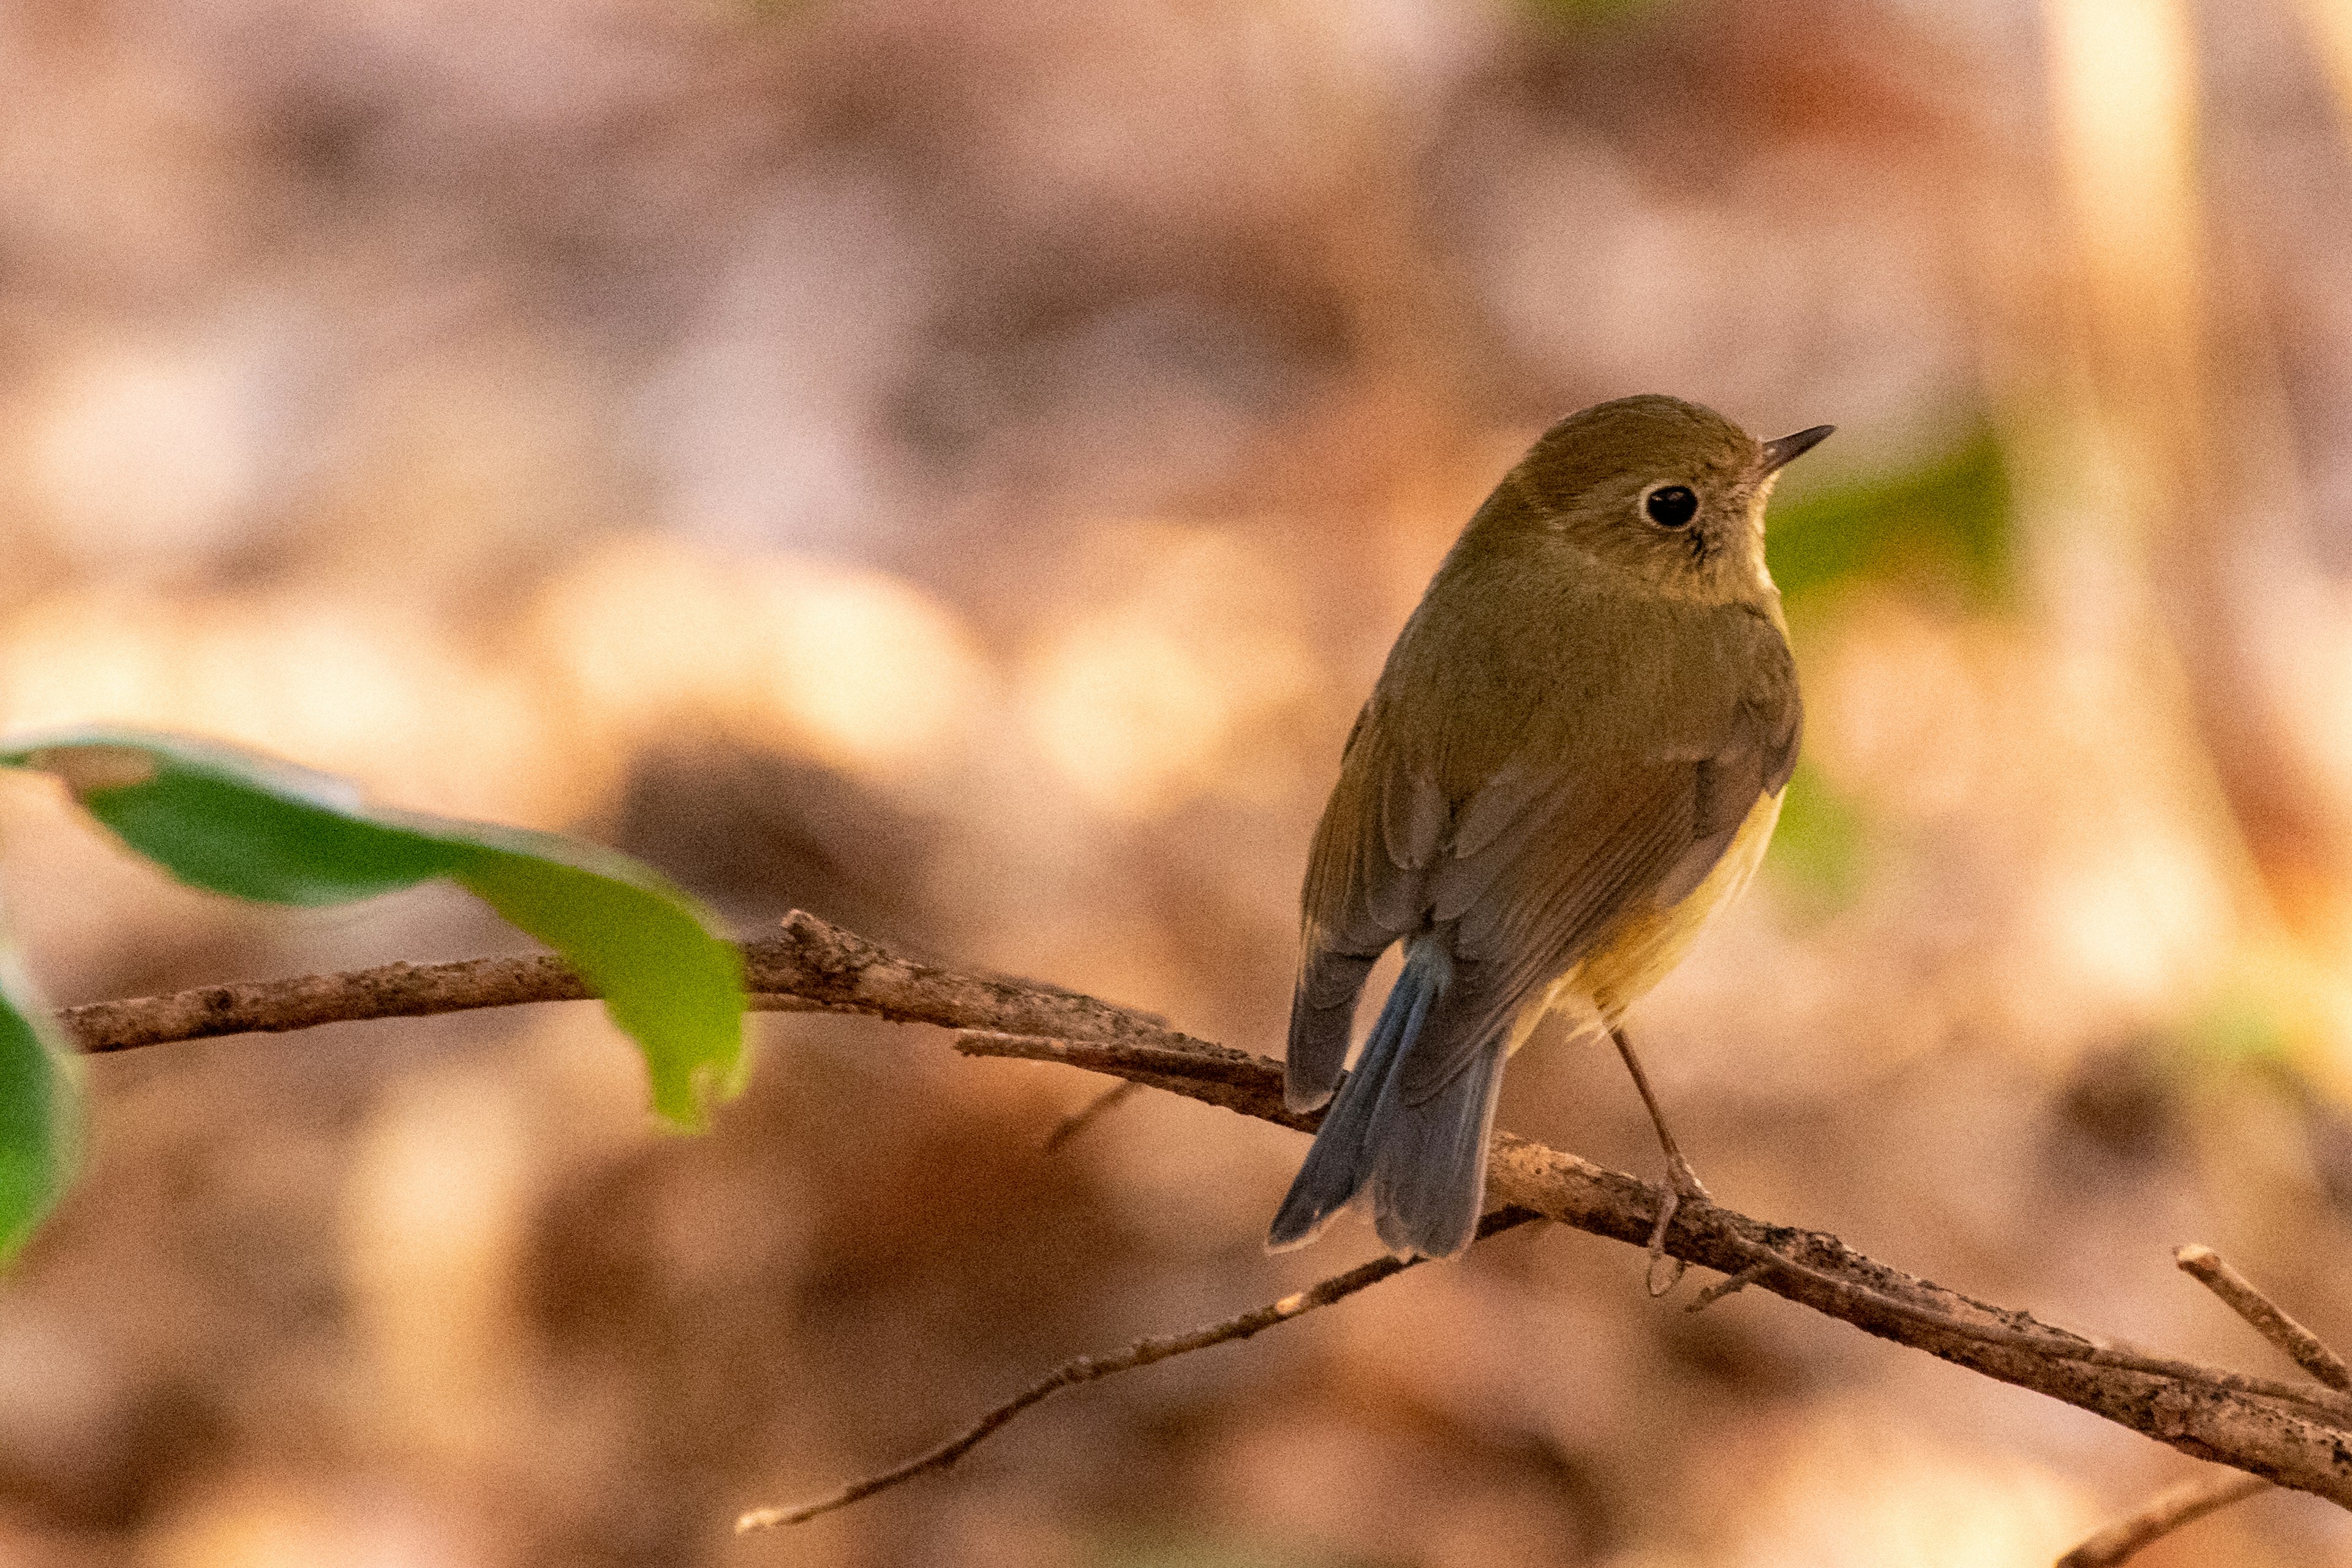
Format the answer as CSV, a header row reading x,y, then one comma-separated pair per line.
x,y
1424,1164
1428,1171
1336,1168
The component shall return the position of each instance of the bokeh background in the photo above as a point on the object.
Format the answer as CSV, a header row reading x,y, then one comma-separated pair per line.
x,y
956,468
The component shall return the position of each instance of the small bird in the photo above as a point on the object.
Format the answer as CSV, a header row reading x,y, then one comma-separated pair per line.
x,y
1574,755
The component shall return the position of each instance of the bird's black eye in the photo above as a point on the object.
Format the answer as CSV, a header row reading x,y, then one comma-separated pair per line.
x,y
1671,506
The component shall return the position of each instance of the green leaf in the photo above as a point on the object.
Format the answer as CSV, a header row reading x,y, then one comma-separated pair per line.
x,y
675,988
40,1109
231,821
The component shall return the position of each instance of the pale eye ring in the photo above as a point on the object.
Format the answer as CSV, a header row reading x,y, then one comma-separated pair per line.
x,y
1670,506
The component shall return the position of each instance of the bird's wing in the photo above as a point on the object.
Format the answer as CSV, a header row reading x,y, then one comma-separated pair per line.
x,y
1381,834
1757,758
1367,886
1580,827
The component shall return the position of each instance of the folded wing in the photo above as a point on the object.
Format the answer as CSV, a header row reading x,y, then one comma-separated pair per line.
x,y
1523,810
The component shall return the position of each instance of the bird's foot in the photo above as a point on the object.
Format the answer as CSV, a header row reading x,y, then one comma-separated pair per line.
x,y
1681,1183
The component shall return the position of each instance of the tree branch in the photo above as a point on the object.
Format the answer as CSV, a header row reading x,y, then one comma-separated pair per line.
x,y
2193,1500
2162,1514
810,964
2265,1316
2296,1436
272,1006
2291,1433
1088,1368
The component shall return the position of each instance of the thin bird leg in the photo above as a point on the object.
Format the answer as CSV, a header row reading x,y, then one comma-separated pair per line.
x,y
1682,1182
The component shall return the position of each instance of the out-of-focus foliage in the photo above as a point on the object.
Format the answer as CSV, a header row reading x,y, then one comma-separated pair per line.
x,y
1940,530
2240,1023
1589,13
1818,852
40,1109
1944,526
229,821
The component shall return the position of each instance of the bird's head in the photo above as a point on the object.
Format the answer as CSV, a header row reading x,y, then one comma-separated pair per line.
x,y
1667,492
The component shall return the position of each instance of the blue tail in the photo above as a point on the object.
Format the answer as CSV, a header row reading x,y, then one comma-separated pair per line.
x,y
1426,1165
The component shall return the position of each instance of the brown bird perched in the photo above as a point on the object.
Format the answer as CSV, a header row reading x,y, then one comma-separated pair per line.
x,y
1574,756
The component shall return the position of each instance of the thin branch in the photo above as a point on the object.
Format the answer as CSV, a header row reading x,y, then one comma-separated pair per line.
x,y
271,1006
2292,1434
809,964
1246,1085
2169,1511
2204,1411
1730,1285
1860,1298
2162,1514
1090,1368
2265,1316
1087,1115
2070,1346
393,991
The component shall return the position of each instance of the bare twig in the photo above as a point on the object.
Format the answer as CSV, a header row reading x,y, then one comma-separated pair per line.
x,y
809,964
1088,1368
2302,1346
2292,1434
1864,1297
2069,1346
1730,1285
394,991
2162,1514
1086,1115
2171,1508
2204,1411
1251,1086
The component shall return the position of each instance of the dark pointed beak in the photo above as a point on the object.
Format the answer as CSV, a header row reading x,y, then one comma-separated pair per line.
x,y
1779,453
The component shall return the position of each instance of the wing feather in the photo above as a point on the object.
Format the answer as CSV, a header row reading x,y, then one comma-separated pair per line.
x,y
1629,763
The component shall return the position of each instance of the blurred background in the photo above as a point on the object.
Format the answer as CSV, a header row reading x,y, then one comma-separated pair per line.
x,y
956,468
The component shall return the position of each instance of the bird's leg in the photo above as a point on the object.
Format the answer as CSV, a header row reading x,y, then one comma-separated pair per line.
x,y
1682,1182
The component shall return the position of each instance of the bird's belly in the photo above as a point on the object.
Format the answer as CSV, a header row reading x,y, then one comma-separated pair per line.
x,y
1645,945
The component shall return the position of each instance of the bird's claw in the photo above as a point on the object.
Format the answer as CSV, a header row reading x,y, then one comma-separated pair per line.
x,y
1681,1183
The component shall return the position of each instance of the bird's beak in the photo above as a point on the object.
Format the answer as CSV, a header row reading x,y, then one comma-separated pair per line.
x,y
1779,453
